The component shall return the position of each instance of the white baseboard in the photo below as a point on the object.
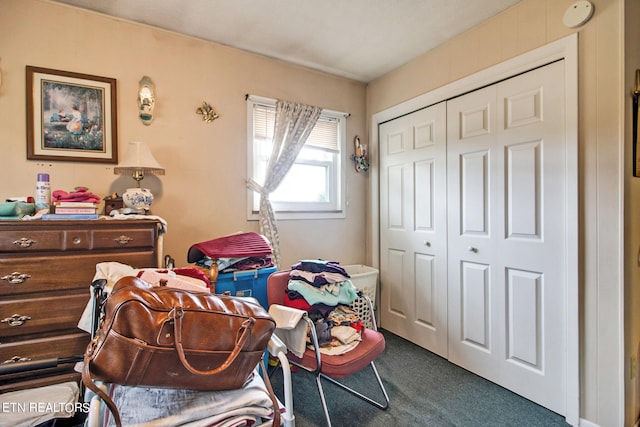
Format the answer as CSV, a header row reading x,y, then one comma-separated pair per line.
x,y
586,423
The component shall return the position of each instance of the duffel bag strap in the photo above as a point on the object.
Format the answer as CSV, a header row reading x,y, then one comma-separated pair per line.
x,y
88,382
244,331
272,395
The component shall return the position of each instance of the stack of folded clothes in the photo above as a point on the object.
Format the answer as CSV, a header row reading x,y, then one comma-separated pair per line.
x,y
324,290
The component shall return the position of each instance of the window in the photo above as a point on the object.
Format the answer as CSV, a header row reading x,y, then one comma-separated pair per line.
x,y
313,187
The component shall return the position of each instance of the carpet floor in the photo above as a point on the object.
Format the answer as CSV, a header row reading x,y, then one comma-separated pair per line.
x,y
424,390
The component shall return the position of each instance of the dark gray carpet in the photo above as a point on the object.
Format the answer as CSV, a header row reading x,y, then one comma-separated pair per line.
x,y
424,389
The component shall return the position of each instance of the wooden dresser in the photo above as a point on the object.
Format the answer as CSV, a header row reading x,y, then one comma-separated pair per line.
x,y
46,269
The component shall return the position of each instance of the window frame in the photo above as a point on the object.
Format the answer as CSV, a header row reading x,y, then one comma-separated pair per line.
x,y
337,210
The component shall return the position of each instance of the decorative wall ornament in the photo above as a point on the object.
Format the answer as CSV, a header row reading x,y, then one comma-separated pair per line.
x,y
360,155
146,100
207,112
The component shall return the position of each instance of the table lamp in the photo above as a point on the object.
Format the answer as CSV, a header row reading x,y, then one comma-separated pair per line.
x,y
137,162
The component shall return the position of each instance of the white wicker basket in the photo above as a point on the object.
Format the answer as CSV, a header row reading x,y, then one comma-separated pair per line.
x,y
364,278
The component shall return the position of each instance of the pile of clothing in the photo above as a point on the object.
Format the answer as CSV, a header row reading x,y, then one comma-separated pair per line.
x,y
324,290
79,194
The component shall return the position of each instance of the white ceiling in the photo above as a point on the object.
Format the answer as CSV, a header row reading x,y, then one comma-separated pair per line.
x,y
357,39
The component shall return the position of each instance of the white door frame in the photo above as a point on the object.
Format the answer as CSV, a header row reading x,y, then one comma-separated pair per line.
x,y
566,49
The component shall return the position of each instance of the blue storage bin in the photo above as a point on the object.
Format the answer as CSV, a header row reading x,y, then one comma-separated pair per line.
x,y
249,283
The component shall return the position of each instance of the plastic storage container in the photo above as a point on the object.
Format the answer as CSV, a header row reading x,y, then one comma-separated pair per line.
x,y
249,283
364,278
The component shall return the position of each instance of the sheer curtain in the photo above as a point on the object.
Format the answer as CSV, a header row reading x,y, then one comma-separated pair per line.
x,y
293,124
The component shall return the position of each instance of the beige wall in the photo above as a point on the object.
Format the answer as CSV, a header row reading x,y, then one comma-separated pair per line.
x,y
527,25
202,195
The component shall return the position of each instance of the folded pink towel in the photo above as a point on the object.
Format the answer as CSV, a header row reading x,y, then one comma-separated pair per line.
x,y
81,194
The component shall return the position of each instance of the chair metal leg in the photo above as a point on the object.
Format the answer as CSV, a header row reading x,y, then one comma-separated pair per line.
x,y
323,400
356,393
319,375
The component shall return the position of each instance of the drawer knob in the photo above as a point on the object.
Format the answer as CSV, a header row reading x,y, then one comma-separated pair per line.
x,y
16,278
24,242
15,320
123,240
16,359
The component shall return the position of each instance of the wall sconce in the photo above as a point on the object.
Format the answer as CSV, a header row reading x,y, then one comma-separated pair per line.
x,y
146,100
207,112
360,155
138,161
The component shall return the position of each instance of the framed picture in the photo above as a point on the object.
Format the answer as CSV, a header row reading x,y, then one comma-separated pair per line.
x,y
71,116
636,150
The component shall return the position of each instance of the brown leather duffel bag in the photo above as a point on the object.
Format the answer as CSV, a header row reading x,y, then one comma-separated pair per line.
x,y
172,338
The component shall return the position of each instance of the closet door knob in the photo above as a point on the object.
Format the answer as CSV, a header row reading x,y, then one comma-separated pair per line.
x,y
472,249
427,243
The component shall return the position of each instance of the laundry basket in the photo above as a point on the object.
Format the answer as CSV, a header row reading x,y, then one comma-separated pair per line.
x,y
364,278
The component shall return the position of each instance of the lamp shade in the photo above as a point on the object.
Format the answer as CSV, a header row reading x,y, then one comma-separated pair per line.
x,y
139,158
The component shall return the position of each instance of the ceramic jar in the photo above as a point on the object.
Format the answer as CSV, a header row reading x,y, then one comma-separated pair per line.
x,y
137,198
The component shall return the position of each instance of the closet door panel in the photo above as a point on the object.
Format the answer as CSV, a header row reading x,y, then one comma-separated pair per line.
x,y
413,273
474,197
532,253
474,317
507,201
425,297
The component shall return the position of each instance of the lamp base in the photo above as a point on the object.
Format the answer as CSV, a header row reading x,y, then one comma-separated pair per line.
x,y
137,198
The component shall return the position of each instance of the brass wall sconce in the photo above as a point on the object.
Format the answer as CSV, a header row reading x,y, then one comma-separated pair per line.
x,y
207,112
146,100
360,155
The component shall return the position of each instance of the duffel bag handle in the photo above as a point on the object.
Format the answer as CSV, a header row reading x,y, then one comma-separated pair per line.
x,y
244,330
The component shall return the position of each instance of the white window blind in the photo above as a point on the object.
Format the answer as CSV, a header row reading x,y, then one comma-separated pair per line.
x,y
324,134
314,186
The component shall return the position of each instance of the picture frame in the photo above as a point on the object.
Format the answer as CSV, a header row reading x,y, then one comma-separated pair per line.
x,y
71,116
636,150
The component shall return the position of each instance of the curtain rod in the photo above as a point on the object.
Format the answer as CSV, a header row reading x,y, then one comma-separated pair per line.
x,y
271,102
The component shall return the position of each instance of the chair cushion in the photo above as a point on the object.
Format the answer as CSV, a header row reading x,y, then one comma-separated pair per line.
x,y
343,365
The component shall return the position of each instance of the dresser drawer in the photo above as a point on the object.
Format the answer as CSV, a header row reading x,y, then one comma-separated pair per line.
x,y
124,238
76,240
61,346
32,240
20,317
21,275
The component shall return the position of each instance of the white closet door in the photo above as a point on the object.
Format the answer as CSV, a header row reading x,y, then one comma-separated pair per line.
x,y
413,265
506,205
